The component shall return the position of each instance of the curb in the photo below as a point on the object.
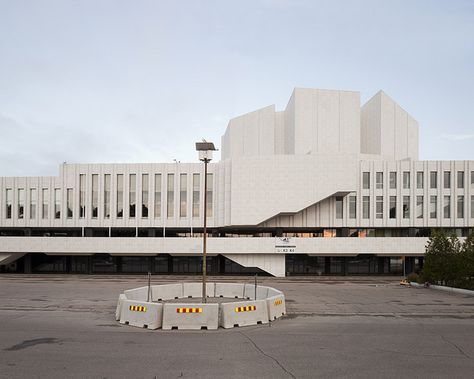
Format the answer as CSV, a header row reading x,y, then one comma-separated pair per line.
x,y
444,288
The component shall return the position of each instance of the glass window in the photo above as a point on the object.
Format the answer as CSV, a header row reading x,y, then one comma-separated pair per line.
x,y
95,195
119,196
45,203
406,179
145,190
433,179
157,195
460,206
69,202
339,207
433,206
406,206
472,179
447,179
393,179
379,180
419,207
107,182
419,179
366,207
196,195
393,207
82,196
379,207
352,206
366,180
57,203
209,190
170,201
8,204
132,193
472,206
32,203
447,207
183,193
460,179
21,203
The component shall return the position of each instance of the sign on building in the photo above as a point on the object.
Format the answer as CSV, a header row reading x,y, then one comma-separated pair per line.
x,y
284,245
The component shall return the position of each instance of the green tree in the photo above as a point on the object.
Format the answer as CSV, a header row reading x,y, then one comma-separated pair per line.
x,y
467,253
454,269
436,258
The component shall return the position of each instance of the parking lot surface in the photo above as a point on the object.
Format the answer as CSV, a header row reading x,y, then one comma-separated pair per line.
x,y
63,326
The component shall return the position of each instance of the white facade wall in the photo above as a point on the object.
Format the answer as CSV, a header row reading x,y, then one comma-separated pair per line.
x,y
69,178
388,130
326,121
280,169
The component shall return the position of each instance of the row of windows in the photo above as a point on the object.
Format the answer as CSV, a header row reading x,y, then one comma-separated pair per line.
x,y
406,179
150,206
406,211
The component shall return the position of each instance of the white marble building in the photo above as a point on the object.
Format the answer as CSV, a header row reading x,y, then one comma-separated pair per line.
x,y
323,187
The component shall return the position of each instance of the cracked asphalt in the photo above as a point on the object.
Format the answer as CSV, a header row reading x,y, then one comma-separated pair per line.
x,y
55,326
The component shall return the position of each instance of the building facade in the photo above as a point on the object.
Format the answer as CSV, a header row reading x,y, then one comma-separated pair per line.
x,y
324,187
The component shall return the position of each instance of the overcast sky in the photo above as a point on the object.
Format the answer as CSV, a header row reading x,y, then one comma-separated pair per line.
x,y
140,81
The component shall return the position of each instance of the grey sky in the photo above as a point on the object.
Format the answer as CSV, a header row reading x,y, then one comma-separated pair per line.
x,y
141,81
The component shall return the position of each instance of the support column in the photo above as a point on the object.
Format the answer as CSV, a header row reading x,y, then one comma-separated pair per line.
x,y
380,265
89,264
170,264
27,264
151,266
345,264
68,264
327,265
118,261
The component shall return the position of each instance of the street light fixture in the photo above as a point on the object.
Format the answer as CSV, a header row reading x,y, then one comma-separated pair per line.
x,y
205,150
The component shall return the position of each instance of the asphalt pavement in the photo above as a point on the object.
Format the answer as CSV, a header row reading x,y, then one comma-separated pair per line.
x,y
63,326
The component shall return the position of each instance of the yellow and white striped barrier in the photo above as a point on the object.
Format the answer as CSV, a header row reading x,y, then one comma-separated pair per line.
x,y
196,317
188,310
247,308
134,309
141,314
244,313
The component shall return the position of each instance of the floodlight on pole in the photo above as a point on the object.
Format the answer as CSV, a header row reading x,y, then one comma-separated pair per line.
x,y
204,150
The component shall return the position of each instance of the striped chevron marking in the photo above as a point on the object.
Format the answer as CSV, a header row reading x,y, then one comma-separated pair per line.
x,y
137,308
247,308
188,310
278,302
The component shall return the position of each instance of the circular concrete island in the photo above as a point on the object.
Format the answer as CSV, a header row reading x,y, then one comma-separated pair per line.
x,y
174,306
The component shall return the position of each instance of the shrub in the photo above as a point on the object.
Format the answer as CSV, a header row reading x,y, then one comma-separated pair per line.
x,y
413,277
448,261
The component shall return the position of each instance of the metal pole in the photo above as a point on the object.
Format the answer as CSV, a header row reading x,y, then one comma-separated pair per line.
x,y
255,287
149,286
204,260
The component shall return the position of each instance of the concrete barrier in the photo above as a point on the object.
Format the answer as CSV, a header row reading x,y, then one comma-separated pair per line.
x,y
244,313
273,292
230,290
133,309
118,310
249,292
190,316
139,294
195,290
166,292
276,307
141,314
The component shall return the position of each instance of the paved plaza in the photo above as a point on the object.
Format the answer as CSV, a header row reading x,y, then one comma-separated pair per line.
x,y
55,326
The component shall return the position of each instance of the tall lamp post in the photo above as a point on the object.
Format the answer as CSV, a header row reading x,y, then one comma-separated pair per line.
x,y
205,150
